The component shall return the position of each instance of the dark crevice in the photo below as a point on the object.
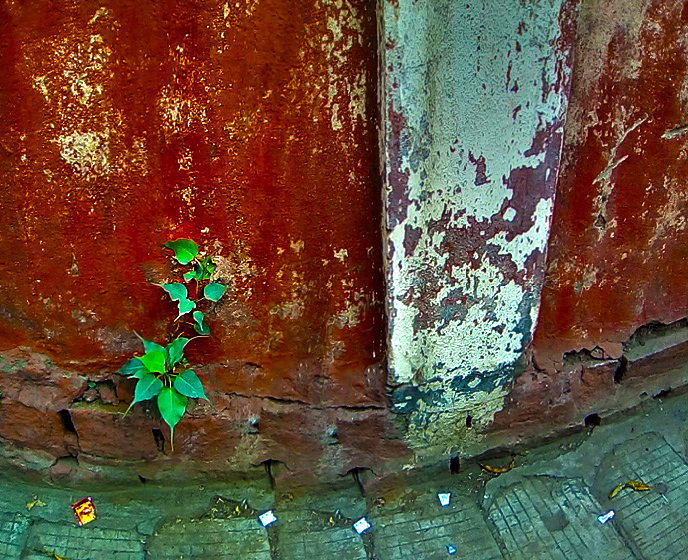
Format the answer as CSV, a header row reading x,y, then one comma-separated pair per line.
x,y
662,394
585,356
67,422
455,464
159,440
620,370
269,469
254,425
592,421
536,366
469,421
357,474
143,479
360,408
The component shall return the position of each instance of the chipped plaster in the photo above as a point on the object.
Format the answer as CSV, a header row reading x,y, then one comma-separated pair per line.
x,y
468,117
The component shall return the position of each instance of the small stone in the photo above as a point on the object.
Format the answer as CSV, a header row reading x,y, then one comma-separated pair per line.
x,y
107,393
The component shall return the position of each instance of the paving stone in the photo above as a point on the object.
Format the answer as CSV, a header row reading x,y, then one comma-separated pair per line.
x,y
658,525
425,533
13,530
210,539
314,535
544,518
84,543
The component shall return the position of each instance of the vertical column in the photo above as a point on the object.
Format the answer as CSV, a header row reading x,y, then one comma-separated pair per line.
x,y
474,98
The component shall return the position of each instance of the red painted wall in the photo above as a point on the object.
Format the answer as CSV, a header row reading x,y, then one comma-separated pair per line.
x,y
249,126
619,240
609,332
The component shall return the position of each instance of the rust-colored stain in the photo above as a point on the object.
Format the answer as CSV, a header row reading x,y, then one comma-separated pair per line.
x,y
619,240
249,126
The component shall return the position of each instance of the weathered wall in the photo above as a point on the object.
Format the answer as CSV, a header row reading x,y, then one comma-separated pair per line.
x,y
249,126
475,96
615,290
253,128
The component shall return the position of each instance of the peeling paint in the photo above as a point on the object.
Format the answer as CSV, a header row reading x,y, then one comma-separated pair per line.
x,y
341,254
470,169
621,207
87,152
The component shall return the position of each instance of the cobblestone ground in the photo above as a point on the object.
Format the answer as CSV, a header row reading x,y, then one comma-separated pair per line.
x,y
546,507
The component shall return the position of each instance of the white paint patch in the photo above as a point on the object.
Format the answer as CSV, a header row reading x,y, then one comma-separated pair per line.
x,y
296,246
178,114
343,31
523,245
87,152
138,156
509,214
341,254
185,159
39,84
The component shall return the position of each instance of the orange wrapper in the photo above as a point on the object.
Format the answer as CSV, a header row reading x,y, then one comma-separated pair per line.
x,y
85,511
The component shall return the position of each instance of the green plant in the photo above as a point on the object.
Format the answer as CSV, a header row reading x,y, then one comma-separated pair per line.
x,y
163,371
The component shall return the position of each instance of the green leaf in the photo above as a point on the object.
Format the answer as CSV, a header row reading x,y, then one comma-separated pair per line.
x,y
149,346
185,250
208,267
201,326
154,361
185,305
133,368
188,384
213,291
196,273
177,291
175,350
172,406
146,388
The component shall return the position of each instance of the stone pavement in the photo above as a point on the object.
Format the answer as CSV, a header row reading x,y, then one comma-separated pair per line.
x,y
545,507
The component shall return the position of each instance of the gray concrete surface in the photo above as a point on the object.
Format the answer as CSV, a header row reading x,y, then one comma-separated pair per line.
x,y
545,507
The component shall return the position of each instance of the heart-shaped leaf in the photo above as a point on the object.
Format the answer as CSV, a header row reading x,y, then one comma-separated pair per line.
x,y
185,250
149,346
185,305
172,406
201,326
133,368
177,291
146,388
175,350
213,291
154,361
189,385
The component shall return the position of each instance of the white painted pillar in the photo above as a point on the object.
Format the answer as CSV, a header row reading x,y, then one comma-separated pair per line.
x,y
474,95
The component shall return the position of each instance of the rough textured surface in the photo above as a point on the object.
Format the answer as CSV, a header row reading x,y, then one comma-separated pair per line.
x,y
249,126
252,127
129,126
619,231
473,127
545,507
548,519
614,296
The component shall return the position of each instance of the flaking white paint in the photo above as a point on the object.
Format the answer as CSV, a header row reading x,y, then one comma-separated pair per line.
x,y
87,152
469,82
